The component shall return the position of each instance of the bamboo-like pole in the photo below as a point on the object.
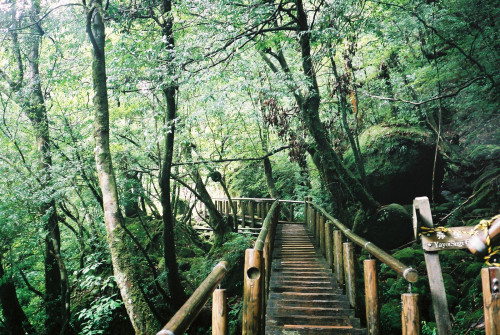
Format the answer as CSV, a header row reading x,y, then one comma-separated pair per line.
x,y
350,279
252,292
371,297
337,256
266,227
329,244
410,317
219,312
188,312
406,272
490,278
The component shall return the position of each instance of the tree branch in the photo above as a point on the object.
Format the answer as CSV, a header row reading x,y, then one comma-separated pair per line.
x,y
28,285
419,103
235,159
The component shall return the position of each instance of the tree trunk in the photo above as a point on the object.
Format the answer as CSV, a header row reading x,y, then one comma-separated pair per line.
x,y
341,94
219,225
169,93
268,172
332,164
15,320
56,299
138,311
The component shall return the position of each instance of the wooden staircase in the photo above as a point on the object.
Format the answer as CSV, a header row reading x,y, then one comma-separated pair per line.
x,y
304,297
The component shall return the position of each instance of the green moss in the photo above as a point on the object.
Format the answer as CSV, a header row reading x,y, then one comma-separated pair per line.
x,y
483,152
390,318
398,162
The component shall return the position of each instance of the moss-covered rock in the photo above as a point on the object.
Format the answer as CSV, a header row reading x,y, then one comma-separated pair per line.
x,y
398,162
389,228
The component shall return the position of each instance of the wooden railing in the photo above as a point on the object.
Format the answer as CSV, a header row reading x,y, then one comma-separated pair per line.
x,y
256,274
257,269
251,212
329,239
181,321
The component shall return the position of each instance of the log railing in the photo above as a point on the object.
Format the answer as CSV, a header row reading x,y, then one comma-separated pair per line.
x,y
329,239
251,212
181,321
256,278
257,273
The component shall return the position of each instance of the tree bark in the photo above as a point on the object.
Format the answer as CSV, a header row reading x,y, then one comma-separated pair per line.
x,y
15,319
332,165
56,298
138,311
169,93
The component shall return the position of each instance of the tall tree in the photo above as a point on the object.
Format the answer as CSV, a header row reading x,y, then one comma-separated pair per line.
x,y
166,22
29,96
126,277
16,320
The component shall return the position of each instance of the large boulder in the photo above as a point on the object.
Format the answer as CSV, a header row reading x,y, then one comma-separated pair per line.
x,y
398,163
390,227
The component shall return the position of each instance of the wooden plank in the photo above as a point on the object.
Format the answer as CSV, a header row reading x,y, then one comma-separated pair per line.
x,y
421,206
448,238
410,317
371,297
490,278
350,278
219,312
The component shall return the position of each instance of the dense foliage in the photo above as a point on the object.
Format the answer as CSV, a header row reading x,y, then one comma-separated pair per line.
x,y
357,103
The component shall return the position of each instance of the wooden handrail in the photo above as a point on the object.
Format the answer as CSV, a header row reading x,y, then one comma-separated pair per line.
x,y
192,307
266,226
408,273
263,200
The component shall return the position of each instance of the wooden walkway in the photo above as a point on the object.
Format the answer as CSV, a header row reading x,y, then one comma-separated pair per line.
x,y
304,297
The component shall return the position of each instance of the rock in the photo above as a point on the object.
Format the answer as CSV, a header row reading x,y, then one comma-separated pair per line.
x,y
398,163
390,227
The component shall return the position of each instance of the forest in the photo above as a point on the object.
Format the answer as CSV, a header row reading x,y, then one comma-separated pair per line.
x,y
120,119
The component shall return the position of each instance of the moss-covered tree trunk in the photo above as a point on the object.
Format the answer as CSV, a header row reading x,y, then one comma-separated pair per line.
x,y
218,223
331,164
126,277
28,94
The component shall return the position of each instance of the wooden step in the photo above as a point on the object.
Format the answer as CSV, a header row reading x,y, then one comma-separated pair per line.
x,y
304,297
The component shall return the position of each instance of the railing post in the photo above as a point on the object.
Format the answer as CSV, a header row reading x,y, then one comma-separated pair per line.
x,y
291,217
219,312
306,211
317,229
490,278
251,212
243,207
350,279
410,317
337,256
258,209
252,292
329,244
322,235
371,297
